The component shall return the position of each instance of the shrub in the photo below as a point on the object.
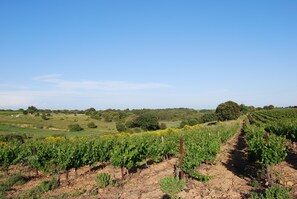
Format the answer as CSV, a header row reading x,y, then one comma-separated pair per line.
x,y
183,123
75,127
92,125
193,122
228,111
146,122
121,127
172,186
209,117
103,180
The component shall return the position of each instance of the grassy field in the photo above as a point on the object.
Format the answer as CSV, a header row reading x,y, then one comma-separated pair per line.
x,y
57,124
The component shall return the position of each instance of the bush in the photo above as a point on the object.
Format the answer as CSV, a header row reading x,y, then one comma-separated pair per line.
x,y
75,127
190,122
193,122
146,122
228,111
103,180
92,125
209,117
183,123
172,186
121,127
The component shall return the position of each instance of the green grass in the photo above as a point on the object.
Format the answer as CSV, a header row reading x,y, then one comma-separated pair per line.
x,y
40,189
16,179
171,124
34,126
10,112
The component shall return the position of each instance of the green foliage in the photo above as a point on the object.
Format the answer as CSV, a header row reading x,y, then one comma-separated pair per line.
x,y
265,149
8,154
246,109
183,123
193,122
54,154
146,122
228,111
283,127
11,137
16,179
121,127
270,107
209,117
272,193
75,127
32,109
90,111
92,125
189,122
103,180
172,186
42,187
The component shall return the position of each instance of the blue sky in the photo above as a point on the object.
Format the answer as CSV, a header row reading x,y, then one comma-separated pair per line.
x,y
147,54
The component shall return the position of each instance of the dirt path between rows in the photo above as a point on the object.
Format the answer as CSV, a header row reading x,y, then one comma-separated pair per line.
x,y
229,180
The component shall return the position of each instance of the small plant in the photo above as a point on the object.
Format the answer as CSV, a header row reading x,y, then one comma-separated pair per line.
x,y
254,182
172,186
92,125
42,187
75,127
103,180
16,179
272,193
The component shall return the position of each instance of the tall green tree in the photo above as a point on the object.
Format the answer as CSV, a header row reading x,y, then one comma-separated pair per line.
x,y
228,111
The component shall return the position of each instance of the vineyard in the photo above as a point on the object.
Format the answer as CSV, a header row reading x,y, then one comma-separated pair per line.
x,y
269,135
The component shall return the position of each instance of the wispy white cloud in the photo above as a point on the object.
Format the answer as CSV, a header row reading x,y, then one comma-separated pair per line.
x,y
53,91
97,85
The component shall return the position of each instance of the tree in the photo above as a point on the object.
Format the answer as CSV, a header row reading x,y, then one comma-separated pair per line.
x,y
209,117
228,111
32,109
90,111
75,127
146,122
268,107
